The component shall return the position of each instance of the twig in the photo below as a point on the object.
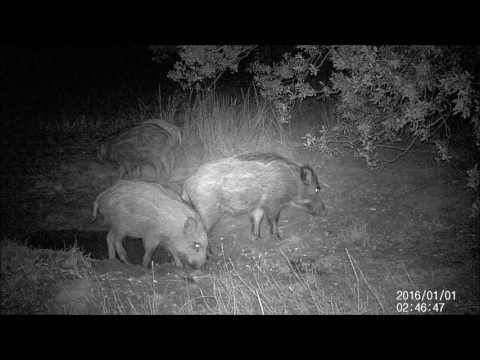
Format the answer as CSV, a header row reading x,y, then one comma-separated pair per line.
x,y
391,147
408,275
247,52
356,277
324,58
260,302
366,282
403,152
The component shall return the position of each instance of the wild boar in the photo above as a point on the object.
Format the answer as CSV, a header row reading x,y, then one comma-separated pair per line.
x,y
155,214
258,184
143,145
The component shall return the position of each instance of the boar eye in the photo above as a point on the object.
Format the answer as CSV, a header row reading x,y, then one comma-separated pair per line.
x,y
196,245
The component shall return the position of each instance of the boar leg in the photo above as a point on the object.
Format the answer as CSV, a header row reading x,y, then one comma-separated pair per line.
x,y
150,243
134,171
273,221
122,254
256,217
171,249
171,161
158,172
111,244
163,164
114,242
176,259
122,171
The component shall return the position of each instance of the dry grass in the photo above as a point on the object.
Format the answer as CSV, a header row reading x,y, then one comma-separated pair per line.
x,y
256,289
225,126
47,281
40,281
29,277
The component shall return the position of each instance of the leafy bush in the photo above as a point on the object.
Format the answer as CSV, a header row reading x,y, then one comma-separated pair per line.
x,y
389,90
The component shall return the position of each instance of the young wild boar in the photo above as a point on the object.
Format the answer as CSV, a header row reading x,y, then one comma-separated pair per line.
x,y
260,184
143,145
155,214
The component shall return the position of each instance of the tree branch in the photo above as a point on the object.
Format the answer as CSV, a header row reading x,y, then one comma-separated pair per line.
x,y
403,152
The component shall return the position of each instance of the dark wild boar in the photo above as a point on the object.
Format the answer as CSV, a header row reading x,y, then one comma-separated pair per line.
x,y
144,145
258,184
155,214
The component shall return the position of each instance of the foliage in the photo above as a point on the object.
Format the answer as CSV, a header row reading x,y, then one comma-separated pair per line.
x,y
389,90
286,82
321,143
282,84
421,89
201,66
383,91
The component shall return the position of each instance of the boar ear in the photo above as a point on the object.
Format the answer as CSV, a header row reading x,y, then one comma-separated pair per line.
x,y
190,226
307,175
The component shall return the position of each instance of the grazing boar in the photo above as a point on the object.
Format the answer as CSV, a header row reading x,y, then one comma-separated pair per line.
x,y
258,184
155,214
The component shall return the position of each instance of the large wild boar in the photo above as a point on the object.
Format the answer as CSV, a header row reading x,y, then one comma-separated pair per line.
x,y
144,145
155,214
259,184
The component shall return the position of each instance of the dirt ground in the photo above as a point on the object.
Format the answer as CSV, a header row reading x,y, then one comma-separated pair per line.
x,y
402,228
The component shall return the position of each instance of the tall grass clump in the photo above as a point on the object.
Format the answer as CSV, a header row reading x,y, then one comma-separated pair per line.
x,y
228,125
